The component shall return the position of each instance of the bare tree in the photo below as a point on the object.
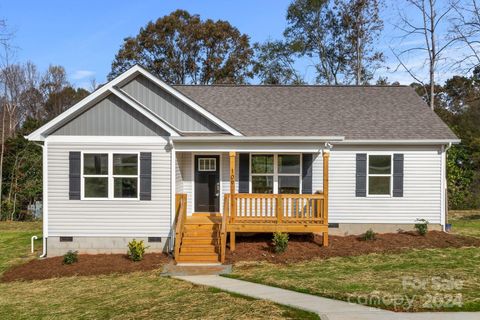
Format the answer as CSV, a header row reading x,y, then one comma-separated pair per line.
x,y
427,30
466,29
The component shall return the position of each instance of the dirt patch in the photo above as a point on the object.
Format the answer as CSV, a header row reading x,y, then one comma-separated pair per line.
x,y
306,247
87,265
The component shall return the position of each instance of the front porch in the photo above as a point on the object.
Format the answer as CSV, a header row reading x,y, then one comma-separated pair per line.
x,y
202,236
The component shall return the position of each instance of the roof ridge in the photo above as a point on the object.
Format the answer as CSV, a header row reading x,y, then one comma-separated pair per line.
x,y
291,85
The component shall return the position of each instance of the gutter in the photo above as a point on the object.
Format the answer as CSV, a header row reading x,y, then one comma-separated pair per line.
x,y
258,139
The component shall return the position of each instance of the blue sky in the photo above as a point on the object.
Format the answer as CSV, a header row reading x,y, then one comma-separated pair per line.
x,y
83,36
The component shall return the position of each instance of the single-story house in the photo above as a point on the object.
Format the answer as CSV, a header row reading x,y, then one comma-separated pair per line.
x,y
183,166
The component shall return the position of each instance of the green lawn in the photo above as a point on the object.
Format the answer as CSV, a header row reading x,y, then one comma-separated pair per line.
x,y
15,242
465,222
447,279
140,295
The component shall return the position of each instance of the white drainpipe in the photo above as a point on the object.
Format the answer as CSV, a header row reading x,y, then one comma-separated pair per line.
x,y
45,200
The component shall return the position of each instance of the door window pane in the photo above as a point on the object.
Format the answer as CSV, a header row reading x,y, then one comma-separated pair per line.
x,y
289,184
125,187
379,164
262,184
289,163
125,164
262,163
95,164
207,164
96,187
378,185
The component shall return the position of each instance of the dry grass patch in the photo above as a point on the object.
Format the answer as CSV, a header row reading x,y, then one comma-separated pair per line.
x,y
15,242
465,222
140,295
428,279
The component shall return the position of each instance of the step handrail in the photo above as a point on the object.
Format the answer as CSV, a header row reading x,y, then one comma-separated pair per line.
x,y
180,217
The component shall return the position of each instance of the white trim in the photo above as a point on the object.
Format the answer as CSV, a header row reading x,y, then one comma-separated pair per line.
x,y
400,142
110,176
380,153
189,102
145,111
41,133
107,139
220,201
275,173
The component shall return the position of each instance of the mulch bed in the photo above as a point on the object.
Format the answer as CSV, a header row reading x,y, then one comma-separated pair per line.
x,y
306,247
87,265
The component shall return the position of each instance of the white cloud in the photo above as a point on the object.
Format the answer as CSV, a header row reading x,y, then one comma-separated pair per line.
x,y
82,74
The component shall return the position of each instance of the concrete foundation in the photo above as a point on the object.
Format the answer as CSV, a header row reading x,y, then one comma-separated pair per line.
x,y
345,229
98,245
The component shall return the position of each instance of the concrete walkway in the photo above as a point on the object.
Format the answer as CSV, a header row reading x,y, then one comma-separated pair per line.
x,y
327,309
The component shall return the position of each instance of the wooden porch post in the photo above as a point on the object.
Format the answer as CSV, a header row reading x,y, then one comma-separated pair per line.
x,y
326,156
232,200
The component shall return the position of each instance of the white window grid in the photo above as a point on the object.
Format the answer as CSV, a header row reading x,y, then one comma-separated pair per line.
x,y
390,175
110,176
207,164
275,173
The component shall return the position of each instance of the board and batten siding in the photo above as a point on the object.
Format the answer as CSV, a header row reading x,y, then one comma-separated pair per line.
x,y
421,193
111,117
108,218
169,108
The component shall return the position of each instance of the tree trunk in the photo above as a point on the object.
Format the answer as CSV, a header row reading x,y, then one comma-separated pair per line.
x,y
1,159
433,56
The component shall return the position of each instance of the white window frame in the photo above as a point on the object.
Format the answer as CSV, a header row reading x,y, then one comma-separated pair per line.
x,y
209,160
110,175
275,173
389,195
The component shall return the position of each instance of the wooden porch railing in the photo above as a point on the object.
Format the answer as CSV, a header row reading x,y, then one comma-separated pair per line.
x,y
277,208
180,217
223,227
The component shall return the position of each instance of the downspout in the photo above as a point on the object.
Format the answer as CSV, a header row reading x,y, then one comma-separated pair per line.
x,y
445,187
173,161
45,200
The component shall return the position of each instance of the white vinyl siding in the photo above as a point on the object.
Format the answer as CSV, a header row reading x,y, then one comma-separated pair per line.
x,y
108,217
421,193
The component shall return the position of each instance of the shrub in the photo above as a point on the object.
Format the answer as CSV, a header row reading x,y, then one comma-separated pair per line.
x,y
70,257
136,250
422,226
280,241
369,235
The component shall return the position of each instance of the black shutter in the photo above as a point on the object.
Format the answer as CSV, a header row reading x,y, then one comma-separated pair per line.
x,y
244,173
361,175
307,159
398,175
145,176
74,175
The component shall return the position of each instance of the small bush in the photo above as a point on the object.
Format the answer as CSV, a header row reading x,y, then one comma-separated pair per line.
x,y
422,226
136,250
369,235
280,241
70,257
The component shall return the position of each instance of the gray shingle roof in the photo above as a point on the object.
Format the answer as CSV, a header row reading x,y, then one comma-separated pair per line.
x,y
356,112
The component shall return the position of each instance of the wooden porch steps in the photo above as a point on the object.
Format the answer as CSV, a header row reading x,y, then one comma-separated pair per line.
x,y
200,241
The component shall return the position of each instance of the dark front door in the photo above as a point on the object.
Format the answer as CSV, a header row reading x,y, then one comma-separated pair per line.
x,y
207,183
